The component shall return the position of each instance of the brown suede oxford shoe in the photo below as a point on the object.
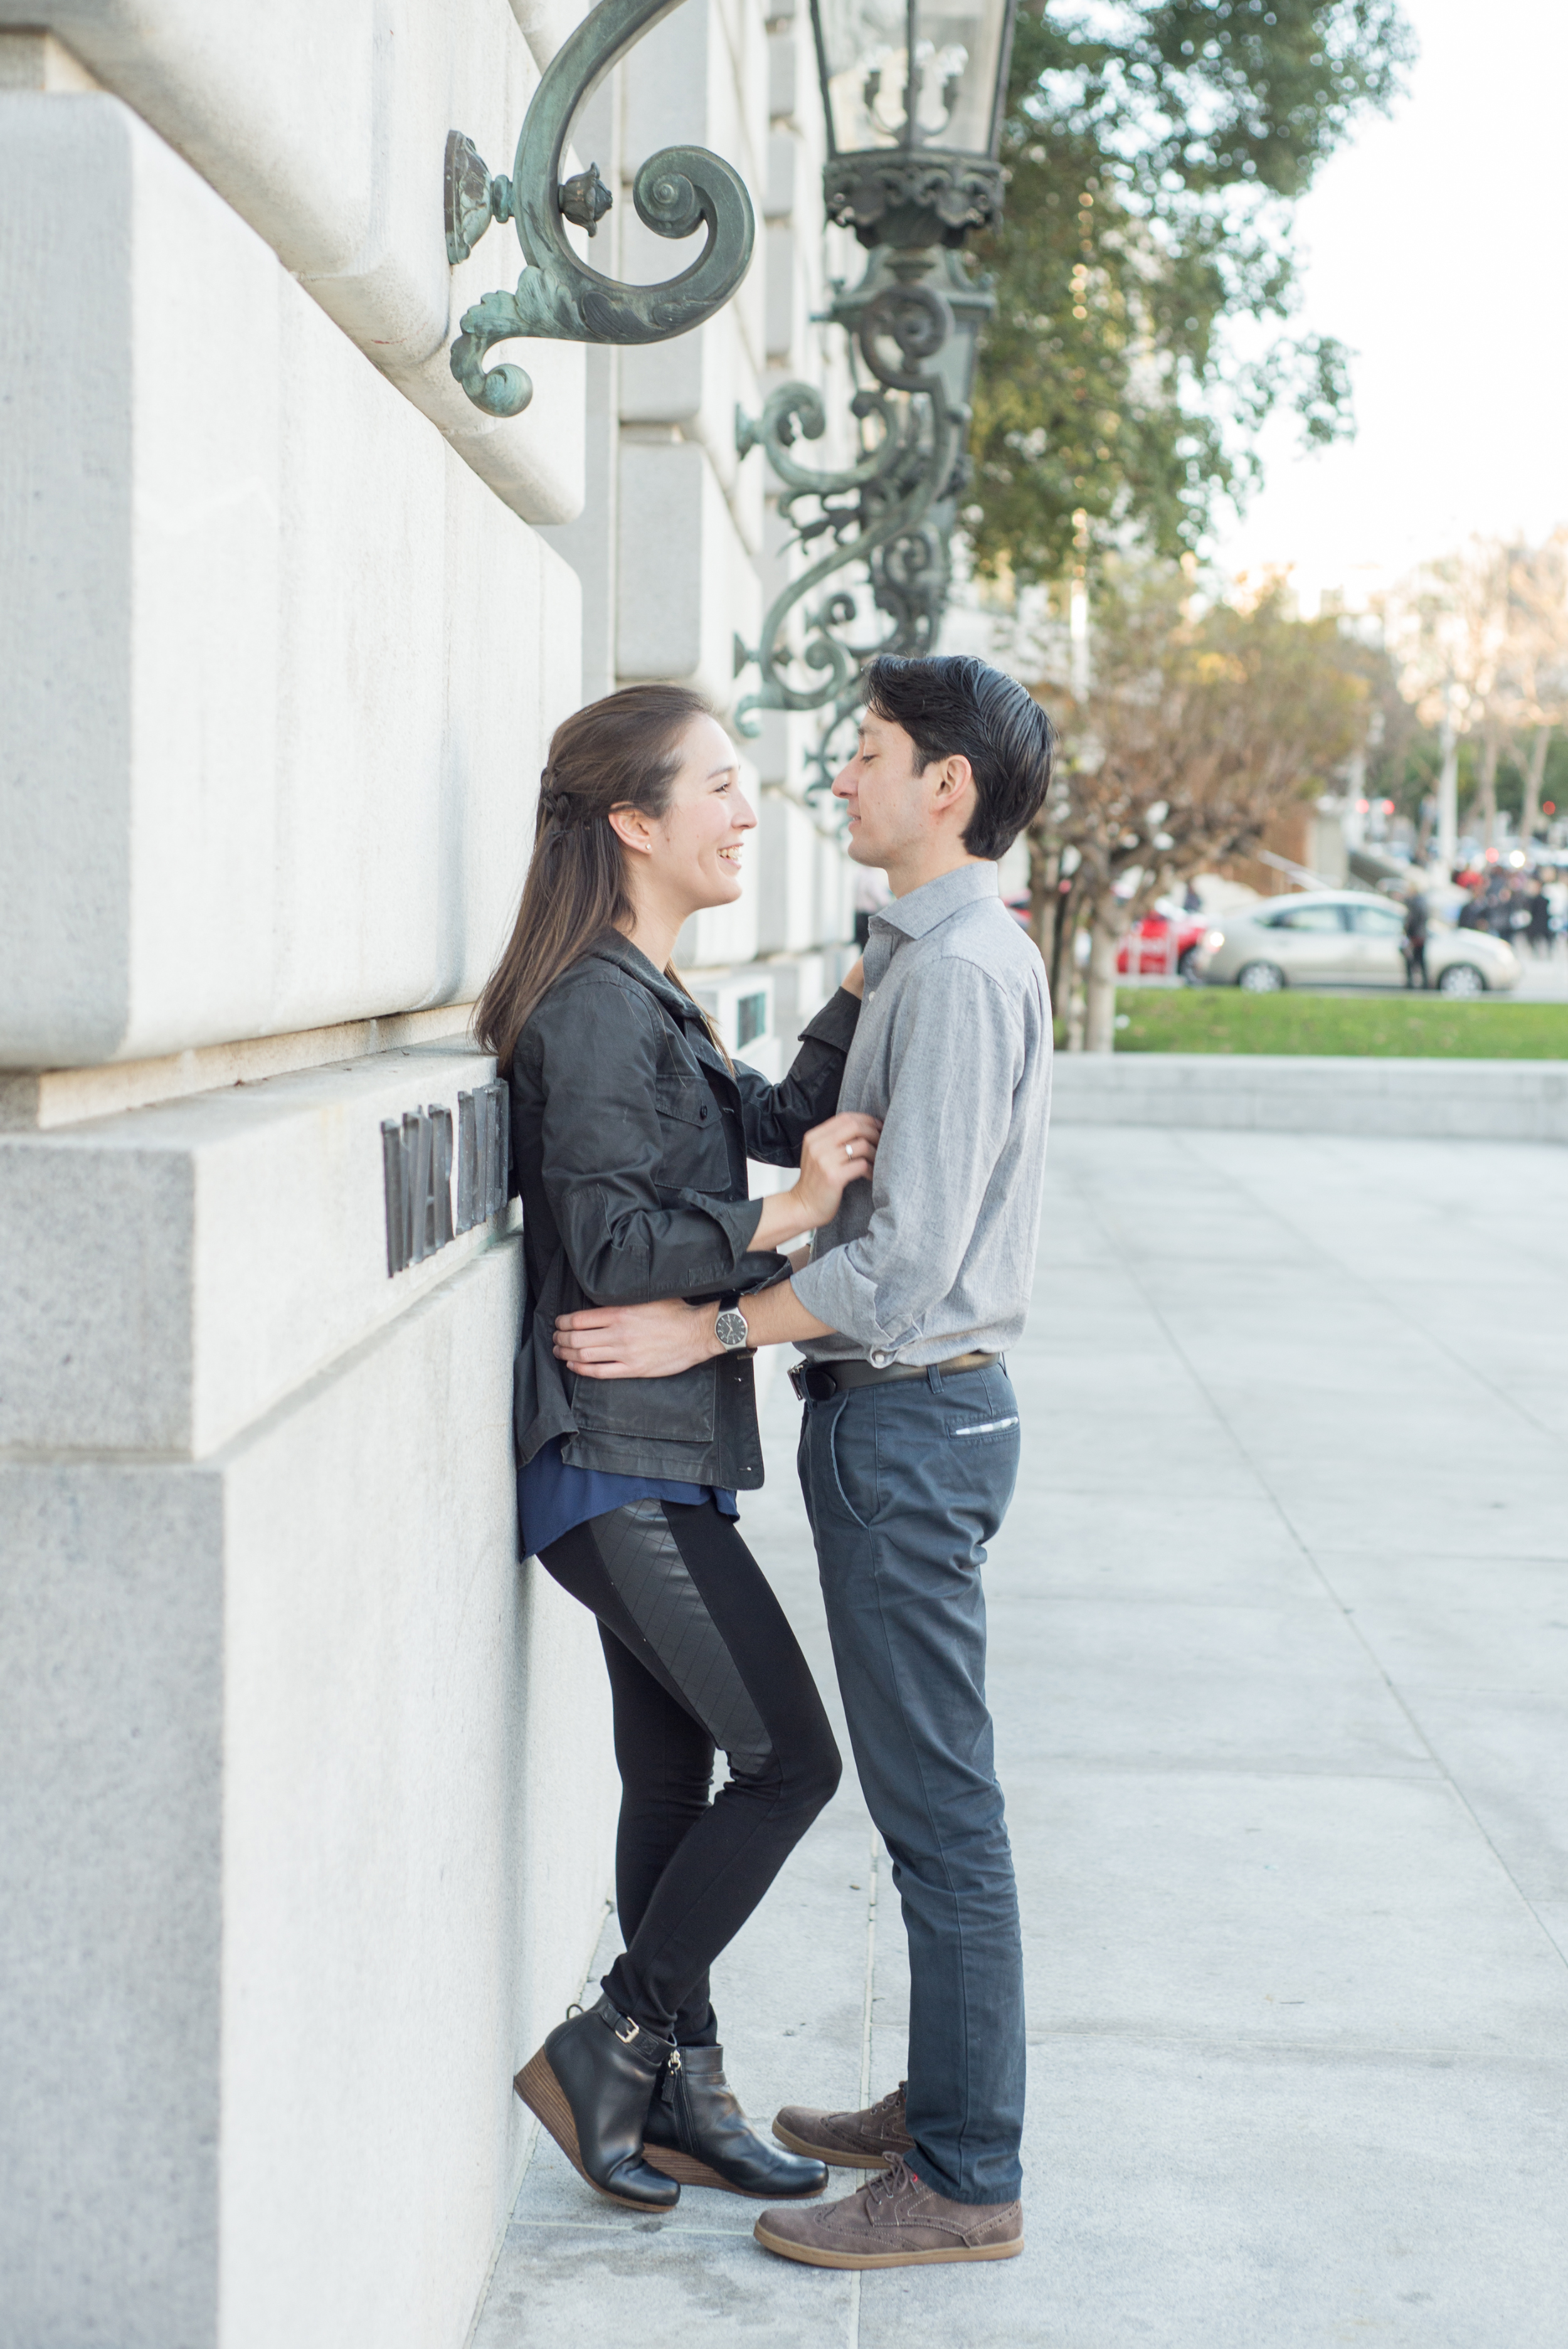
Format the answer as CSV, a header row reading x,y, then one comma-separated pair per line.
x,y
893,2221
867,2140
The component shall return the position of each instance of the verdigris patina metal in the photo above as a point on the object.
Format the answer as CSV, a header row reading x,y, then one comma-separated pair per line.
x,y
908,200
913,95
913,320
678,190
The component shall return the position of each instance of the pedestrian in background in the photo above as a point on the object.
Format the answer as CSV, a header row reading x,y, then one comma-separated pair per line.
x,y
1416,920
1539,927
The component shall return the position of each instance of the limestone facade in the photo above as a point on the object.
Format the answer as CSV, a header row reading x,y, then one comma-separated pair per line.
x,y
307,1796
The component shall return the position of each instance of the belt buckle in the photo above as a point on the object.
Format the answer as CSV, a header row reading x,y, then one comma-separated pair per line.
x,y
800,1377
798,1380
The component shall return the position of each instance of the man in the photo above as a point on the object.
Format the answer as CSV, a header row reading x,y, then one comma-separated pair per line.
x,y
910,1448
1416,919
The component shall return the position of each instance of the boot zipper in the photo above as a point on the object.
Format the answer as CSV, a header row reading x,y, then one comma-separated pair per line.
x,y
685,2130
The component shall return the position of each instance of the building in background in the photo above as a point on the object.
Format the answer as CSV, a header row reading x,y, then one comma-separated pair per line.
x,y
307,1787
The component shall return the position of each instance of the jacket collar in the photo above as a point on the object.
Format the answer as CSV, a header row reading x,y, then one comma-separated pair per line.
x,y
614,949
925,908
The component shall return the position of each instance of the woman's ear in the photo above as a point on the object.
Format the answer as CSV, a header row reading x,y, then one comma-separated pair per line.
x,y
630,826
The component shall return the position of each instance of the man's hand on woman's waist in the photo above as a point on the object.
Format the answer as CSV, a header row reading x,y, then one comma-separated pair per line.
x,y
661,1339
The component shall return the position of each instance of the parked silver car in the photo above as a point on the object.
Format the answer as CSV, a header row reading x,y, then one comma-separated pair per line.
x,y
1344,938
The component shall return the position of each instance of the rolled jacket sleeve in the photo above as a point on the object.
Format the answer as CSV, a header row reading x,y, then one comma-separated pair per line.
x,y
627,1238
959,1058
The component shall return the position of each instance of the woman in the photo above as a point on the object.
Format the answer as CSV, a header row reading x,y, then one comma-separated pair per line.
x,y
631,1131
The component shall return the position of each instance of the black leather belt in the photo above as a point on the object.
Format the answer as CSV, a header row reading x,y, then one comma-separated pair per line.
x,y
820,1381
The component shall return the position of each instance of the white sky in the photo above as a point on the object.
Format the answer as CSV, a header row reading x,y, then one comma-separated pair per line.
x,y
1436,246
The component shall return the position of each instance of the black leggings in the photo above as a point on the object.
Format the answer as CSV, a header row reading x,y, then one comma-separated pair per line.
x,y
700,1657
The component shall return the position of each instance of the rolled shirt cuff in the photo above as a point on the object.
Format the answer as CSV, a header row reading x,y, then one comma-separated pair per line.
x,y
834,1290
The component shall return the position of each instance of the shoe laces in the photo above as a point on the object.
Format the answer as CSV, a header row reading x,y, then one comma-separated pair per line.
x,y
898,2178
883,2109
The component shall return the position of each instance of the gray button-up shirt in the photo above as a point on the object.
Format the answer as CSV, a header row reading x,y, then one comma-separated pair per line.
x,y
935,1254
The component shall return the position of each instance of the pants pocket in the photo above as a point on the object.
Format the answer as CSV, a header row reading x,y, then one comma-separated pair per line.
x,y
831,1440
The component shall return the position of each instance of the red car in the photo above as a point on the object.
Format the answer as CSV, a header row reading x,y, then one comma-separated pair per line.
x,y
1160,947
1164,947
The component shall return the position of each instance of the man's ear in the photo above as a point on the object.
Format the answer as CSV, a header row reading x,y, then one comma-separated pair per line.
x,y
630,826
956,778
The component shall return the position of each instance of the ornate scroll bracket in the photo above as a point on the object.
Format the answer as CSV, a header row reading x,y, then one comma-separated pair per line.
x,y
892,513
558,296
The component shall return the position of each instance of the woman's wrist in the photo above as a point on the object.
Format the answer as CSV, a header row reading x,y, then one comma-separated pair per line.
x,y
784,1217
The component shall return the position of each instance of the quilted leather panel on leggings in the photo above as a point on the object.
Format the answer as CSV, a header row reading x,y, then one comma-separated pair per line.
x,y
652,1580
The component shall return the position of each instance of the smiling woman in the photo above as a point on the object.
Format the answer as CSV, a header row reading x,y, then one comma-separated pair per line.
x,y
631,1132
624,754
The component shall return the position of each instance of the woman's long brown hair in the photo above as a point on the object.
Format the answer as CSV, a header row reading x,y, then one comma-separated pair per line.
x,y
622,752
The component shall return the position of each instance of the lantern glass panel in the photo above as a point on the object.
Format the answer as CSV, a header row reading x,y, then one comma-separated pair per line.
x,y
866,47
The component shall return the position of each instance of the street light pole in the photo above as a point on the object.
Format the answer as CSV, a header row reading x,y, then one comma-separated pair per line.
x,y
913,95
1449,786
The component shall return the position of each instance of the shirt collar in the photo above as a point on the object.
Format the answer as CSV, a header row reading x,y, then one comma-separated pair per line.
x,y
935,901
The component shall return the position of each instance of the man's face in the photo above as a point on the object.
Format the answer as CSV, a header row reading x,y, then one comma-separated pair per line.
x,y
890,796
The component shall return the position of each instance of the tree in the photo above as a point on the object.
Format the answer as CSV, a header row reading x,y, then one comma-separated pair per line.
x,y
1153,168
1481,636
1199,728
1538,599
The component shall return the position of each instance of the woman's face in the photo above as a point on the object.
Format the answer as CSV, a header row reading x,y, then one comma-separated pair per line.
x,y
692,857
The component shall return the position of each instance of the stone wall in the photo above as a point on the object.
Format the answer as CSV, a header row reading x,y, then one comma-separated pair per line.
x,y
306,1787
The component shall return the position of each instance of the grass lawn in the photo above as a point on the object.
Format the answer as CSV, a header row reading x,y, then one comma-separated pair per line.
x,y
1401,1027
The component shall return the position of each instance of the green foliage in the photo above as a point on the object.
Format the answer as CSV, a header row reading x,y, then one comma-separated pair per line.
x,y
1201,726
1395,1026
1153,168
1405,769
1202,722
1272,702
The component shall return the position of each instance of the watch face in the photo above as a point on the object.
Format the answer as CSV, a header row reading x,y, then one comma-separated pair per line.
x,y
730,1328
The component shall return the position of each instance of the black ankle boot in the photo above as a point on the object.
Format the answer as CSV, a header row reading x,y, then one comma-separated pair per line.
x,y
697,2133
591,2083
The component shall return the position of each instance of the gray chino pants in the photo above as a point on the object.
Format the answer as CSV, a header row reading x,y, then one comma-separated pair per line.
x,y
904,1486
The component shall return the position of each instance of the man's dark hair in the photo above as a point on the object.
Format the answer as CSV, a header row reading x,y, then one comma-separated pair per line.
x,y
956,706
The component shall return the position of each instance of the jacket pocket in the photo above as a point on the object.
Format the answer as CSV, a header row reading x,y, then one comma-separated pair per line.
x,y
683,1101
674,1410
693,1154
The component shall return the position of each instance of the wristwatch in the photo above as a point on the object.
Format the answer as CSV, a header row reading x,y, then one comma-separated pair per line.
x,y
729,1325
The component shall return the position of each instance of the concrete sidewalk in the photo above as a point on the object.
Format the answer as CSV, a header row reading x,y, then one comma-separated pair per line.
x,y
1279,1642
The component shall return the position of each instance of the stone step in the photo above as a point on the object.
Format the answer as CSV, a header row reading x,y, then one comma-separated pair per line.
x,y
173,1272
